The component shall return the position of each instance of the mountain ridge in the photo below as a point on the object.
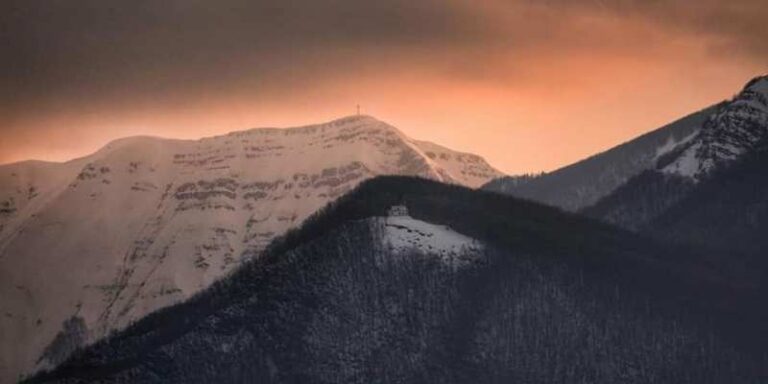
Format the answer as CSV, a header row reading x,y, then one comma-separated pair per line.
x,y
687,148
731,131
150,221
736,130
583,183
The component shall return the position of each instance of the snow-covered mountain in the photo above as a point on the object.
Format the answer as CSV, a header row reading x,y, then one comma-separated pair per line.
x,y
680,153
584,183
731,133
90,245
733,130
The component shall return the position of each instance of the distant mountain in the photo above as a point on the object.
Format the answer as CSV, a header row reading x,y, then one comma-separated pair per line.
x,y
90,245
409,280
736,131
643,183
584,183
725,212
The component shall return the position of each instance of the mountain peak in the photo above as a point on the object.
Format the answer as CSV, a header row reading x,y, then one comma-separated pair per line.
x,y
335,123
354,118
339,122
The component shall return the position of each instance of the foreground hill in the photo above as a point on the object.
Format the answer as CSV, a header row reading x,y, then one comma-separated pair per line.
x,y
467,286
90,245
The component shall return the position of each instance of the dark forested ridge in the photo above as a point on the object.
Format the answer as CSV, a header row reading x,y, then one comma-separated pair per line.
x,y
552,298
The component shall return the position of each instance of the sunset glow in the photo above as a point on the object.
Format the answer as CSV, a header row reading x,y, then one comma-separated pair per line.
x,y
505,80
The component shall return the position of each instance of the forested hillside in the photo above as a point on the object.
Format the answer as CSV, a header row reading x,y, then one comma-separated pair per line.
x,y
550,297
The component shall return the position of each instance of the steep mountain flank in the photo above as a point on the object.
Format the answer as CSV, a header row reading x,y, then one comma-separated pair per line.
x,y
737,130
90,245
584,183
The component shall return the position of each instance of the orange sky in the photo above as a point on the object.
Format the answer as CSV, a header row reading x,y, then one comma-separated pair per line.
x,y
531,88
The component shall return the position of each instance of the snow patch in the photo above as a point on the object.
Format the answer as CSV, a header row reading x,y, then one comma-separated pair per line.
x,y
404,234
672,143
688,164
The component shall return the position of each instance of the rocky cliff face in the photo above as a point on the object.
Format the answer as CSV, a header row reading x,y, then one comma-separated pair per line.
x,y
147,222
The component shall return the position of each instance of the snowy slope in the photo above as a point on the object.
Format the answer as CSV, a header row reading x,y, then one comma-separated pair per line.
x,y
734,131
690,148
26,187
729,133
404,234
584,183
472,170
90,245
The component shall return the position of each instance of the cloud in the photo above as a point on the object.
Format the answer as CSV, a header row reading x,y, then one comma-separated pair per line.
x,y
76,48
91,45
738,25
70,64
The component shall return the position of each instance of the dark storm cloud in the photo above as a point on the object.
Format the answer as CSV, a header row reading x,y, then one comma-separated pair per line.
x,y
58,53
736,24
77,73
71,48
80,46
